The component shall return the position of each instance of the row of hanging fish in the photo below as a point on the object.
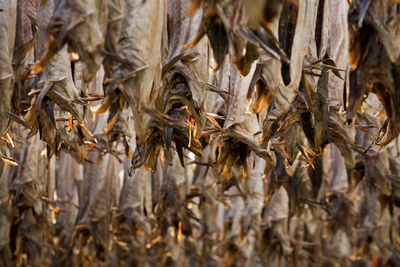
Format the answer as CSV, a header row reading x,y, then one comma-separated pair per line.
x,y
200,133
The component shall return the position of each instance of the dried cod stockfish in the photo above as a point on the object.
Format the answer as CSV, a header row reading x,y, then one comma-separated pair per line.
x,y
138,75
186,69
30,219
199,133
239,126
80,24
55,85
223,23
374,59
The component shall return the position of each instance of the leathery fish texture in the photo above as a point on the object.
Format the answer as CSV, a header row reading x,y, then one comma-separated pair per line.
x,y
200,133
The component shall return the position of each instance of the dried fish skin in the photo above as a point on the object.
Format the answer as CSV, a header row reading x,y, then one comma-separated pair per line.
x,y
222,23
294,136
186,65
57,80
374,72
212,26
303,51
5,208
335,175
7,36
277,214
56,86
161,159
96,199
239,126
28,183
66,189
383,16
114,20
141,44
115,16
82,25
183,29
23,55
232,83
